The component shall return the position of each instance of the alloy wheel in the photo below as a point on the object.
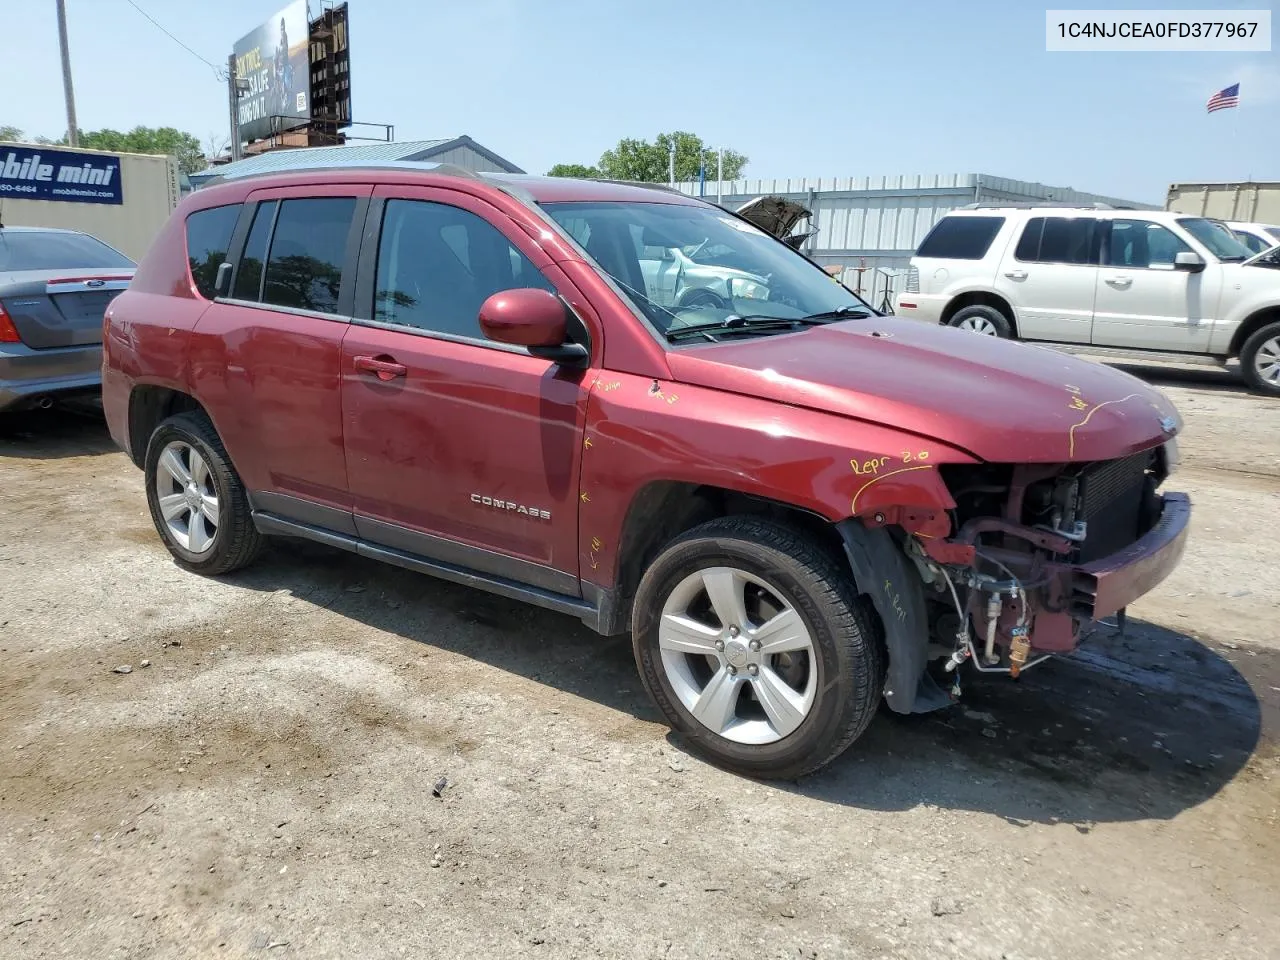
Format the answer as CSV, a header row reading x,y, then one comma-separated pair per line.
x,y
187,497
978,325
1267,361
738,655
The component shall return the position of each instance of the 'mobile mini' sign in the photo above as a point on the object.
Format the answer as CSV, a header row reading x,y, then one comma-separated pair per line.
x,y
38,173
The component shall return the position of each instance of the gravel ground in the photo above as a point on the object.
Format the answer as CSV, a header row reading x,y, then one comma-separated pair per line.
x,y
260,781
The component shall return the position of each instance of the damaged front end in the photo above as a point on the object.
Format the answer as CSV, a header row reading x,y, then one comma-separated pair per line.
x,y
1036,552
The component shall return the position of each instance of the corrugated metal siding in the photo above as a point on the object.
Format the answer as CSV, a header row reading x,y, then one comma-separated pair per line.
x,y
871,226
468,159
887,217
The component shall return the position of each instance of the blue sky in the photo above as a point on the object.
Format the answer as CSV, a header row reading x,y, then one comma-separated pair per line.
x,y
804,88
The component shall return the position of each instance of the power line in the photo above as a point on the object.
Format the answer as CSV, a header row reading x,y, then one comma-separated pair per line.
x,y
217,72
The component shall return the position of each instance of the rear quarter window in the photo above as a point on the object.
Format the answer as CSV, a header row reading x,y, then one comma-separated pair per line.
x,y
208,237
960,238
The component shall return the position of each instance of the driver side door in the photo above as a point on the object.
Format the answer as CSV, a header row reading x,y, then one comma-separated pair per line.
x,y
459,449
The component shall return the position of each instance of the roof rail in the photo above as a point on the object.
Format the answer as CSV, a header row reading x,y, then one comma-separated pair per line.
x,y
1029,204
642,183
426,166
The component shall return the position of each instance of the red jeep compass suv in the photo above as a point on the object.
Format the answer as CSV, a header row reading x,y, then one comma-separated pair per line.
x,y
793,503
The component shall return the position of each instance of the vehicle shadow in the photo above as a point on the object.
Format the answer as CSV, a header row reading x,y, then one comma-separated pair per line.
x,y
1144,726
1226,380
73,430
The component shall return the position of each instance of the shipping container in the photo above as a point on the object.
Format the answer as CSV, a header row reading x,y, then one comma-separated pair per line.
x,y
1247,201
122,199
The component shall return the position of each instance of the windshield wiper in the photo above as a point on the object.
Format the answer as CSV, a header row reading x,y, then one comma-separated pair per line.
x,y
750,322
732,326
840,313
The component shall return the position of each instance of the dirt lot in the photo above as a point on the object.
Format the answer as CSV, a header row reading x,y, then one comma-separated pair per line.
x,y
263,788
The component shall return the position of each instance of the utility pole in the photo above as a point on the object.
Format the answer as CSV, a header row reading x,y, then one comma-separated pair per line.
x,y
233,99
73,130
720,177
671,162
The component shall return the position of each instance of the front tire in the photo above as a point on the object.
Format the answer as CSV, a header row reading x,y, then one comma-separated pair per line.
x,y
754,644
983,319
198,504
1260,360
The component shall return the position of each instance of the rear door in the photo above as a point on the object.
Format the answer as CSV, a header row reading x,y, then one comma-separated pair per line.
x,y
459,448
1142,301
1049,274
265,358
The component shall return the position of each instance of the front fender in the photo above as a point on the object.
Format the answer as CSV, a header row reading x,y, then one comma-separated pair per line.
x,y
641,431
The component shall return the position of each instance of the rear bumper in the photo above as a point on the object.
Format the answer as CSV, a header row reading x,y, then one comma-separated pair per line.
x,y
920,306
1105,586
26,375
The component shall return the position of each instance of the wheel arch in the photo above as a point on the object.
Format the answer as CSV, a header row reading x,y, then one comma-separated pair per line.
x,y
149,406
1251,325
664,509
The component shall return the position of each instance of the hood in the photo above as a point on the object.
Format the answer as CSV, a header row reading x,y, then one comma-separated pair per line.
x,y
1267,259
1001,401
776,216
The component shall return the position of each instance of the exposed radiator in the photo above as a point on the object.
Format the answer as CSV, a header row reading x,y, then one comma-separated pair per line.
x,y
1111,498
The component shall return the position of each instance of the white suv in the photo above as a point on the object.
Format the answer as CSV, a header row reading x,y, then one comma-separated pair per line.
x,y
1134,283
1256,236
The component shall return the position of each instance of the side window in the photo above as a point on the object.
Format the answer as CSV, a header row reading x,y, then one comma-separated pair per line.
x,y
304,265
1255,244
1066,240
437,264
960,238
248,282
208,236
1141,244
1028,249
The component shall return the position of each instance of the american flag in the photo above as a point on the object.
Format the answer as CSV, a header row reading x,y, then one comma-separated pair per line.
x,y
1230,97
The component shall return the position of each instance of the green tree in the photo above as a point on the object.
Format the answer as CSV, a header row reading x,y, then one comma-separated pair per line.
x,y
634,159
183,146
574,170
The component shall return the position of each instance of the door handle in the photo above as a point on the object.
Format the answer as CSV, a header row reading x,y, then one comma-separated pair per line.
x,y
1016,274
1120,281
384,367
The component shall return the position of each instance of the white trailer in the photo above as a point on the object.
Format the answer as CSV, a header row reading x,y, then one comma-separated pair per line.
x,y
1250,201
122,199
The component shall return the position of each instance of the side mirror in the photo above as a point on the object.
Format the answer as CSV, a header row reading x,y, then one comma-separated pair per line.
x,y
528,317
1189,261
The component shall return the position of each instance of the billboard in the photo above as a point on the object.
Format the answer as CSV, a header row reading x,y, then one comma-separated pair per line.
x,y
41,173
275,59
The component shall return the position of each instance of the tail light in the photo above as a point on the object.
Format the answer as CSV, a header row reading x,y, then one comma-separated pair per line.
x,y
8,332
913,280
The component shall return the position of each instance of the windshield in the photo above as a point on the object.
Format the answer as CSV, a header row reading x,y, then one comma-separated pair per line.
x,y
47,250
1222,243
725,267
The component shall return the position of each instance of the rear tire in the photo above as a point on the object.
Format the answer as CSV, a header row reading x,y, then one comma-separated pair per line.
x,y
1260,360
983,319
198,504
786,688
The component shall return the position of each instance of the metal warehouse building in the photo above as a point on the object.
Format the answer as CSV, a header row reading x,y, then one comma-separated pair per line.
x,y
870,226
